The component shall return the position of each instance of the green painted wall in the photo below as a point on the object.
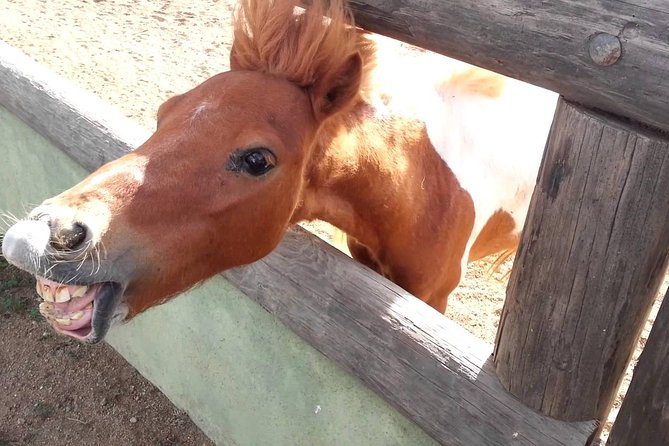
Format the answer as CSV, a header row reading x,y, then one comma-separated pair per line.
x,y
244,378
31,168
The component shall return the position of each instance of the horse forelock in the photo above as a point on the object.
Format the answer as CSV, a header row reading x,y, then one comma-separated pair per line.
x,y
278,38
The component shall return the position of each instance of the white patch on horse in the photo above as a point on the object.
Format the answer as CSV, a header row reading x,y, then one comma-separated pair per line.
x,y
494,146
134,173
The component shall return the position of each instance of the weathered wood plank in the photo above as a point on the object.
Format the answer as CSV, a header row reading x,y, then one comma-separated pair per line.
x,y
427,366
89,130
592,256
643,419
547,44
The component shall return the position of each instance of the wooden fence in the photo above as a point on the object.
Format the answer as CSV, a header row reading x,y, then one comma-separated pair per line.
x,y
595,243
592,254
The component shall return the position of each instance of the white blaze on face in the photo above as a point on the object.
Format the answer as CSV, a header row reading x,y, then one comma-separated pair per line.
x,y
132,171
97,214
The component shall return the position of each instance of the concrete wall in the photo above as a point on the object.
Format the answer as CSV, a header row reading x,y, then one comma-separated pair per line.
x,y
244,378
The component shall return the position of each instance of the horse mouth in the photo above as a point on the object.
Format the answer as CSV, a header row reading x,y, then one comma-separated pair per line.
x,y
84,312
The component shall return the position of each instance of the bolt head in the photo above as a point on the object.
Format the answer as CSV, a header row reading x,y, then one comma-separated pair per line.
x,y
604,49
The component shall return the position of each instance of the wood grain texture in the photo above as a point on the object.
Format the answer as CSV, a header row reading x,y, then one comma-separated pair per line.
x,y
425,365
87,129
643,419
591,259
545,43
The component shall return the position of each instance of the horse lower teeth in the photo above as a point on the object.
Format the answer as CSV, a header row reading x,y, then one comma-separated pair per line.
x,y
45,309
63,321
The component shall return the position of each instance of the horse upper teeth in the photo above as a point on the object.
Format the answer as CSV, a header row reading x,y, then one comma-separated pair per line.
x,y
79,291
45,291
62,294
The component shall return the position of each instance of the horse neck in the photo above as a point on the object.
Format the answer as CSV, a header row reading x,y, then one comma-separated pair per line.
x,y
368,174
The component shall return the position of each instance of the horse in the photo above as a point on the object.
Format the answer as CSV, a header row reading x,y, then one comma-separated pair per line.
x,y
424,169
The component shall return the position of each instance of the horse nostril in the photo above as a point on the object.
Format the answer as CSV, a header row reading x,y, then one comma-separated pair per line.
x,y
68,238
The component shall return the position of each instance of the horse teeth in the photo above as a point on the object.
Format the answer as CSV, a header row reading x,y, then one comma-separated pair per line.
x,y
63,321
45,308
62,294
79,291
47,293
76,316
48,316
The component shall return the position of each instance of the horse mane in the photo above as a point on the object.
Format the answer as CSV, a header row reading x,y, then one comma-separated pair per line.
x,y
275,37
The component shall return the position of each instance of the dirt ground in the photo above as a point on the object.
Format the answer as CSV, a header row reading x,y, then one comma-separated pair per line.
x,y
56,391
133,54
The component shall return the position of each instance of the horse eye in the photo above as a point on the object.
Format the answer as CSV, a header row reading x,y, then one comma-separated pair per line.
x,y
257,161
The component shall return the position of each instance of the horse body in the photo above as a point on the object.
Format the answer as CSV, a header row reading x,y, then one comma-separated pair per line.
x,y
428,172
307,124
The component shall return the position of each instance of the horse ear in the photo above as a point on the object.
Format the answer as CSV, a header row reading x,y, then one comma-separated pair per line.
x,y
337,89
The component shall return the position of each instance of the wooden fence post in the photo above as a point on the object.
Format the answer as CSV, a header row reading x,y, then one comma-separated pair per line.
x,y
643,419
591,259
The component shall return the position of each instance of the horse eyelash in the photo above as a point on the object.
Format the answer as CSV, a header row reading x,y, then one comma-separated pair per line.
x,y
235,162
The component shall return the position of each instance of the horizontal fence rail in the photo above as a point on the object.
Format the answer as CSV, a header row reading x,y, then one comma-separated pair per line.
x,y
610,55
89,130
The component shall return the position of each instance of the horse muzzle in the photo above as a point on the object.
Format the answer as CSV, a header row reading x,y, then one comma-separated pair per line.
x,y
80,296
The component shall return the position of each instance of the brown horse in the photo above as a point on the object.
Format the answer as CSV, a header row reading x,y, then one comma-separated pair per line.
x,y
422,172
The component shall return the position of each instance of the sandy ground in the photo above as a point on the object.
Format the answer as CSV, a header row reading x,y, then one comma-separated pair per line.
x,y
135,54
